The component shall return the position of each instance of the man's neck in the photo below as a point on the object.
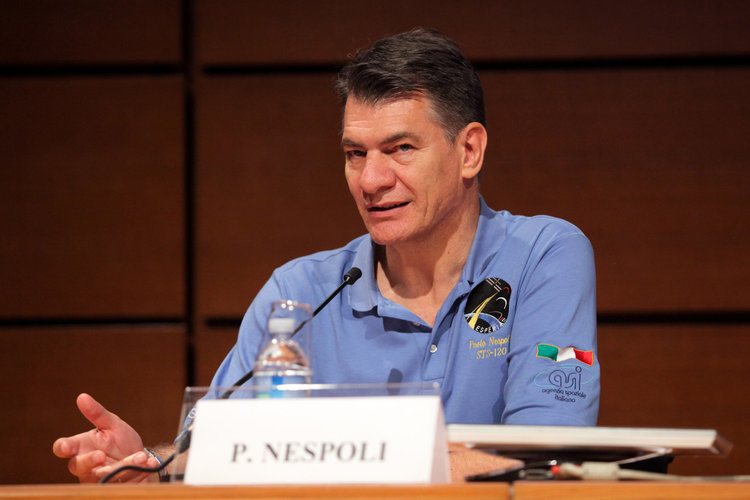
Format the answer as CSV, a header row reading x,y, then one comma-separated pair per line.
x,y
420,274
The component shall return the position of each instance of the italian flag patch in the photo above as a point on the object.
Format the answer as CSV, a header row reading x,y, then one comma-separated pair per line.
x,y
561,354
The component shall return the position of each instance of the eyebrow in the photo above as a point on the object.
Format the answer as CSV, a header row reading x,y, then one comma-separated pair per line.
x,y
391,138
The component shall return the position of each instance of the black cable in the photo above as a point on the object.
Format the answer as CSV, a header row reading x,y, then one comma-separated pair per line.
x,y
183,445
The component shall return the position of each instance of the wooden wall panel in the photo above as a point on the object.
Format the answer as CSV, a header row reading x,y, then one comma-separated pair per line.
x,y
135,371
212,344
682,375
91,197
89,31
294,31
270,183
651,164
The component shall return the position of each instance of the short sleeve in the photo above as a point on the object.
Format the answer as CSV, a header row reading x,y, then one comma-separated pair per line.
x,y
553,372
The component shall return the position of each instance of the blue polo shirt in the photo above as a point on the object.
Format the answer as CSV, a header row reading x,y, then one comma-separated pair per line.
x,y
514,342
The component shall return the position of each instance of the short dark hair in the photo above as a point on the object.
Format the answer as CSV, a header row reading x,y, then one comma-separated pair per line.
x,y
420,61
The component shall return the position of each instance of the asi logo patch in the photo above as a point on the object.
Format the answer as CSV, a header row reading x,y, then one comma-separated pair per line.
x,y
487,306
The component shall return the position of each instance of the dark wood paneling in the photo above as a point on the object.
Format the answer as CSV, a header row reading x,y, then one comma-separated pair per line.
x,y
270,183
685,376
212,344
91,197
136,372
295,31
89,31
651,164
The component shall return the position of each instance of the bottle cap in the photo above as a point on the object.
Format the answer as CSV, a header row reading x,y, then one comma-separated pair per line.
x,y
281,325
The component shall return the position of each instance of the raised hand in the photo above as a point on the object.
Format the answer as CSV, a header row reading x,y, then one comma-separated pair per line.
x,y
112,443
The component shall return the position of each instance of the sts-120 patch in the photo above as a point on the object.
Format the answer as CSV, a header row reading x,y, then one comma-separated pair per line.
x,y
487,306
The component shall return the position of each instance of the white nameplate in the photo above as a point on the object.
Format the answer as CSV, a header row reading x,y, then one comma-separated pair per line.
x,y
388,439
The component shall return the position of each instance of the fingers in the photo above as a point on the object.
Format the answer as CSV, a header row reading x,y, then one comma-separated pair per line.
x,y
95,412
140,459
66,447
62,449
84,466
92,467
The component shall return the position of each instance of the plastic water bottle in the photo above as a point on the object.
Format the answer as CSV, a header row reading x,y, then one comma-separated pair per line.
x,y
282,361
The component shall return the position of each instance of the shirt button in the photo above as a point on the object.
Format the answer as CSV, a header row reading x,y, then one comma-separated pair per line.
x,y
433,348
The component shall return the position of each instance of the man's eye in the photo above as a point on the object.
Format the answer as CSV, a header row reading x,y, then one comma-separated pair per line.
x,y
355,153
405,147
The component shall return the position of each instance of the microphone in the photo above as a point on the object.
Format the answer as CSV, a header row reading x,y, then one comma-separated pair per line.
x,y
183,441
350,277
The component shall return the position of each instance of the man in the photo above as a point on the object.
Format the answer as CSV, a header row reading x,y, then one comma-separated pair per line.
x,y
499,309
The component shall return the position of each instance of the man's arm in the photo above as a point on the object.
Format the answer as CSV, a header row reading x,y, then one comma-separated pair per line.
x,y
466,462
556,310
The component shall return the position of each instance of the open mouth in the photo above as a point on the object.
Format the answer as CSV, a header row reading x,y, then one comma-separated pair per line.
x,y
387,207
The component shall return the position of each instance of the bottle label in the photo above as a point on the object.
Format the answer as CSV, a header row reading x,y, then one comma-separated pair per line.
x,y
269,386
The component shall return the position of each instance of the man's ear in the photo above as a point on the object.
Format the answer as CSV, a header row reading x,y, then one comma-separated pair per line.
x,y
473,140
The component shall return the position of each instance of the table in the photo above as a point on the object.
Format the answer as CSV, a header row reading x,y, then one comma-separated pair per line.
x,y
521,490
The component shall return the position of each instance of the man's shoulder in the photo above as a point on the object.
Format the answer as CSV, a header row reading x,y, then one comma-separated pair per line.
x,y
533,226
524,226
549,224
327,263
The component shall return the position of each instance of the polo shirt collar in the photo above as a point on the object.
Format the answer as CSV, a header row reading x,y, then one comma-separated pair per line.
x,y
487,240
364,296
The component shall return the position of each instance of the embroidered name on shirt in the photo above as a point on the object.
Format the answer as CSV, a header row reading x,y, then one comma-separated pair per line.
x,y
491,348
487,306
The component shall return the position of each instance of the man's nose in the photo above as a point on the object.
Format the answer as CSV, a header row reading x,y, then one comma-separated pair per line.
x,y
377,173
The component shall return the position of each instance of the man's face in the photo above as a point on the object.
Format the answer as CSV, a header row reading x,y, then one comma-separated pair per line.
x,y
404,174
